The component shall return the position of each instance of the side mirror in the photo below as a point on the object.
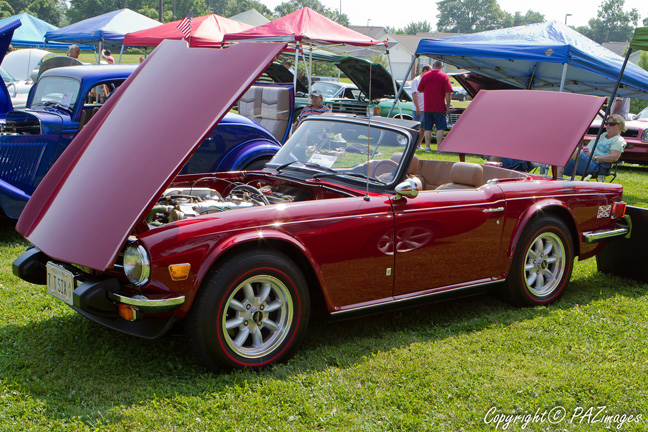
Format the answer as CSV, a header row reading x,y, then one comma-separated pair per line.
x,y
408,188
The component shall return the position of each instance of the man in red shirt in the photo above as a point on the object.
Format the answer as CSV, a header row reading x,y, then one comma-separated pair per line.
x,y
436,89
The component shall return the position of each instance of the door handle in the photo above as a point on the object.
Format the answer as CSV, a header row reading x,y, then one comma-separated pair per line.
x,y
493,210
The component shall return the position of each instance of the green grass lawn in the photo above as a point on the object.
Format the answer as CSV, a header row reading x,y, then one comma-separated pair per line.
x,y
461,365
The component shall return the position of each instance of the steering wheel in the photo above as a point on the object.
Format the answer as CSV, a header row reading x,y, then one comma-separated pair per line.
x,y
246,192
385,166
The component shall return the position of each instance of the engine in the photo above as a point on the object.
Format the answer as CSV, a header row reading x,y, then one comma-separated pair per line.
x,y
21,123
182,203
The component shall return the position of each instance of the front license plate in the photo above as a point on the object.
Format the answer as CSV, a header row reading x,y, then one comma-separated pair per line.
x,y
60,282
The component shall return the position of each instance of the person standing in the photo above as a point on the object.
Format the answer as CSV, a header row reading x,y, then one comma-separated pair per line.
x,y
621,106
106,55
437,90
417,98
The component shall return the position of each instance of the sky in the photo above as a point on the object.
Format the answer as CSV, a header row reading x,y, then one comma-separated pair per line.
x,y
399,13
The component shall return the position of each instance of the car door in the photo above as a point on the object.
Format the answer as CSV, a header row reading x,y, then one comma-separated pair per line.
x,y
447,238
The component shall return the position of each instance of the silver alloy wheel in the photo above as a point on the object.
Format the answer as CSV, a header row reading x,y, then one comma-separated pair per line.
x,y
258,315
544,264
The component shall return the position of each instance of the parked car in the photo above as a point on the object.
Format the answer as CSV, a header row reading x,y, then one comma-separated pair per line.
x,y
344,219
636,137
65,99
18,89
24,64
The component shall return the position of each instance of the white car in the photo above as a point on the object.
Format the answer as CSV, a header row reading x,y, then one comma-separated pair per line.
x,y
18,89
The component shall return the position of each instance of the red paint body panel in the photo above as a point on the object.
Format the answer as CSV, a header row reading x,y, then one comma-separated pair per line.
x,y
497,121
156,139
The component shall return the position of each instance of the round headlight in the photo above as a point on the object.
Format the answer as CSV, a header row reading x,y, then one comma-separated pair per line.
x,y
137,265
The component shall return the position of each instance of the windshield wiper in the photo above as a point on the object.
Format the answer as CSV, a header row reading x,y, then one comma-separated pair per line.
x,y
316,165
281,167
361,176
55,105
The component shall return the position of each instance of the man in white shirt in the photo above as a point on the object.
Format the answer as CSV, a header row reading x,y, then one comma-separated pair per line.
x,y
621,106
417,97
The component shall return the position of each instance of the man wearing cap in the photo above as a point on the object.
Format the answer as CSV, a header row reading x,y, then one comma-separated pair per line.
x,y
316,106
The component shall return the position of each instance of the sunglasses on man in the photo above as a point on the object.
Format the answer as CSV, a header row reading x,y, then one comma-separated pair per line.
x,y
611,123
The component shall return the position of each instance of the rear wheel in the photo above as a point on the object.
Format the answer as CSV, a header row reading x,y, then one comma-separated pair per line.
x,y
542,263
250,312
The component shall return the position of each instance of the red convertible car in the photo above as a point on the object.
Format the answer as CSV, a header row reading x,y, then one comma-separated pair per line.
x,y
345,218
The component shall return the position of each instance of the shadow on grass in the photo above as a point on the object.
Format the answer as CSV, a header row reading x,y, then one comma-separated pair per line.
x,y
78,369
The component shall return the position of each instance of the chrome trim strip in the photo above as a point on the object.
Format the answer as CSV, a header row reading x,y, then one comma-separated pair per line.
x,y
142,301
493,210
414,298
597,236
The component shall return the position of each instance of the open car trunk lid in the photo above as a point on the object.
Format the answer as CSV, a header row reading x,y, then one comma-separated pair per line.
x,y
118,165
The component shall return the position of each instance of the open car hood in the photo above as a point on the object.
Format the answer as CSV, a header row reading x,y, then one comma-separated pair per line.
x,y
473,83
532,125
360,71
279,74
117,166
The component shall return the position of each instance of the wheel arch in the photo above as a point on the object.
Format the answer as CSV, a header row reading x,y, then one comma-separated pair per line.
x,y
273,241
541,209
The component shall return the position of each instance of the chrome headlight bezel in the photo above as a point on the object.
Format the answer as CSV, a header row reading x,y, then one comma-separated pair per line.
x,y
137,264
644,135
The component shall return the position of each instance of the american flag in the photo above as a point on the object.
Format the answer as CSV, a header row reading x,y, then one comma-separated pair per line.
x,y
185,25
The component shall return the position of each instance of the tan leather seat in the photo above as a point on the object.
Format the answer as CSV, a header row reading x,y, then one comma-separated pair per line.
x,y
464,175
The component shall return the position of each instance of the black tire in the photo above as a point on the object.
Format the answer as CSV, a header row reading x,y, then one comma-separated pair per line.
x,y
251,311
542,264
256,165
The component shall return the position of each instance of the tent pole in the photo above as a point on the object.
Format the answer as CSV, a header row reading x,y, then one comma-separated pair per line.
x,y
121,52
564,76
99,53
607,111
402,84
310,70
296,65
396,92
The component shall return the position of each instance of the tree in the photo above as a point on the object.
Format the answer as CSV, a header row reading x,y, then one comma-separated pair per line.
x,y
531,17
6,10
414,28
469,16
612,24
291,6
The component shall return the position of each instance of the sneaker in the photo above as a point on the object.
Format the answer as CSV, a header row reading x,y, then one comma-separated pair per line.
x,y
428,149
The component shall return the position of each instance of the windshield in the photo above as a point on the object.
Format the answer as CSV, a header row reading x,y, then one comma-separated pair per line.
x,y
6,77
57,90
643,114
331,147
328,89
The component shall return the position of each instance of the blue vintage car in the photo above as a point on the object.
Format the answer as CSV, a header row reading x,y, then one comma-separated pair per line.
x,y
65,99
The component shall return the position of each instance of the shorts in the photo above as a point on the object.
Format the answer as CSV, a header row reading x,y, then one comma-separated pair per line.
x,y
417,117
438,120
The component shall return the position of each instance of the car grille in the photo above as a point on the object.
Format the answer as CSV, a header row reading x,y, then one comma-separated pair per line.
x,y
630,133
345,108
19,162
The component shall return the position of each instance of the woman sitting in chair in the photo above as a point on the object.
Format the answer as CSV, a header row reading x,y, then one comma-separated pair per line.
x,y
608,149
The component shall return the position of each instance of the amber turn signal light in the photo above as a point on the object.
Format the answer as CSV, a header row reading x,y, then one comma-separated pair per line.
x,y
128,312
179,272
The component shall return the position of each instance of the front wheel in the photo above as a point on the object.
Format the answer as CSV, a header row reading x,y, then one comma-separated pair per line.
x,y
542,263
250,312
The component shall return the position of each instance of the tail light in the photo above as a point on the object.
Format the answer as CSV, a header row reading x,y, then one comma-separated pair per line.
x,y
618,210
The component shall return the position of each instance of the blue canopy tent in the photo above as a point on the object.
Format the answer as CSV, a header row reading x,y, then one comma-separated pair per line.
x,y
31,34
107,29
543,56
6,33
